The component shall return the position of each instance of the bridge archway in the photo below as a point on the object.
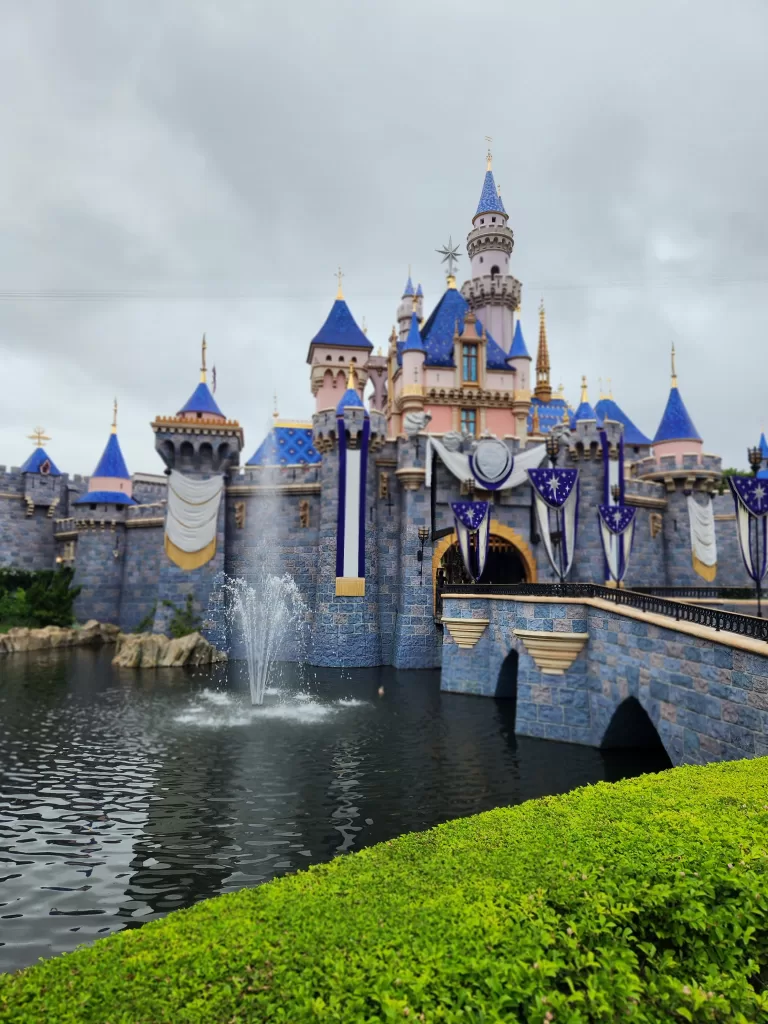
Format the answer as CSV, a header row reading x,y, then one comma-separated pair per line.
x,y
630,726
510,559
506,684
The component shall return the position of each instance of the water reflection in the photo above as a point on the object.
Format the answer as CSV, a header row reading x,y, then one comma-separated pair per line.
x,y
128,794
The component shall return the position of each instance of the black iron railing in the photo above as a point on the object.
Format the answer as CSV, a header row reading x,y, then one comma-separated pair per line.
x,y
700,593
701,615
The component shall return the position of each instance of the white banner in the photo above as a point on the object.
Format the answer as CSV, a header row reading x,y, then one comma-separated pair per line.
x,y
703,541
458,464
193,510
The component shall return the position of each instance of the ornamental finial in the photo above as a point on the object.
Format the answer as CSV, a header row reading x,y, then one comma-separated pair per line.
x,y
339,293
674,372
203,346
600,389
275,413
365,328
610,388
489,157
114,417
352,378
584,396
39,436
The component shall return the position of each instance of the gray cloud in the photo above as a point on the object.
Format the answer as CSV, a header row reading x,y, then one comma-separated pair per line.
x,y
186,167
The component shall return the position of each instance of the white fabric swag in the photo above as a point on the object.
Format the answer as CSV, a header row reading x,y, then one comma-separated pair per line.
x,y
458,464
703,541
193,510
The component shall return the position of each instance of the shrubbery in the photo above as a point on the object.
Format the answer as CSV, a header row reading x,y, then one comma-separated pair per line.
x,y
183,621
643,901
36,599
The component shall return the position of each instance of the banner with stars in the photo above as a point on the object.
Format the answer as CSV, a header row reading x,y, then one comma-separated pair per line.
x,y
556,492
473,521
617,531
750,495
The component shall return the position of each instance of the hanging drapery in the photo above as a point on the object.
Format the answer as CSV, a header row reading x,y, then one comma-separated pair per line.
x,y
458,463
190,522
617,531
350,524
556,492
703,541
750,495
473,520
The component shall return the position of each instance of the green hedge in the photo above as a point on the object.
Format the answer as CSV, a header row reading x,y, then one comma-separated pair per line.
x,y
644,900
43,598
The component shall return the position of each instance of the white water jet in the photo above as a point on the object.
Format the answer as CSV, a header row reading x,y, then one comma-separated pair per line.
x,y
266,614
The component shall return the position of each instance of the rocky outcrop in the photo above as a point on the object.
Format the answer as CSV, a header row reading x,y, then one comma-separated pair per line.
x,y
92,634
152,650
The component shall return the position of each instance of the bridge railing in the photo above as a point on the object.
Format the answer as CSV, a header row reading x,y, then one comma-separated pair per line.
x,y
701,615
701,593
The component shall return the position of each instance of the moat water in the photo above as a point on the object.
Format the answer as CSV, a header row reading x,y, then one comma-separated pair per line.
x,y
125,795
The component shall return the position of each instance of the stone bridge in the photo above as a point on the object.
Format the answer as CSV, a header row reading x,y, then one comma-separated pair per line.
x,y
586,670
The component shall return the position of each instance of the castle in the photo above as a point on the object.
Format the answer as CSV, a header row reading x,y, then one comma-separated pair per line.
x,y
356,504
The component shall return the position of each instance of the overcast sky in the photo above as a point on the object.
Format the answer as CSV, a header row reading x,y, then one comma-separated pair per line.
x,y
178,166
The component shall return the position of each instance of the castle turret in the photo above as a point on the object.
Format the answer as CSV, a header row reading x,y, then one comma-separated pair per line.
x,y
413,354
405,308
676,436
339,344
492,293
543,389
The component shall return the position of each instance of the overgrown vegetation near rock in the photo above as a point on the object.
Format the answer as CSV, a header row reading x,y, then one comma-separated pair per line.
x,y
152,650
641,901
183,621
35,599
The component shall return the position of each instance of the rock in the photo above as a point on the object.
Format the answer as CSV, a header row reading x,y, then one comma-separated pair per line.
x,y
92,634
152,650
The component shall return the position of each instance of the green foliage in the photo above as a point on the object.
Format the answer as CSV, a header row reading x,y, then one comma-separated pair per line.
x,y
184,620
722,485
148,621
37,598
643,901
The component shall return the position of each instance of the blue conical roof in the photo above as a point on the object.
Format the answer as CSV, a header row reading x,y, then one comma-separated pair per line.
x,y
112,462
585,412
607,409
490,200
340,329
676,424
518,350
414,343
350,399
419,292
437,333
408,288
37,459
763,446
201,400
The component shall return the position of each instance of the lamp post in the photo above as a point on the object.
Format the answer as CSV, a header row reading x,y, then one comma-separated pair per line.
x,y
423,536
553,448
755,457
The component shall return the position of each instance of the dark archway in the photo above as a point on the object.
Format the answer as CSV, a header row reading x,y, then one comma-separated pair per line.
x,y
506,684
504,564
630,727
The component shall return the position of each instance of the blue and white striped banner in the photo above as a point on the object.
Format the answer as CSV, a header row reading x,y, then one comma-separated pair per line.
x,y
350,527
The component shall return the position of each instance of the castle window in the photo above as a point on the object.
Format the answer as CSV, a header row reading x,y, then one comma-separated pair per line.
x,y
469,363
341,359
481,259
493,219
354,359
494,271
469,421
328,359
482,220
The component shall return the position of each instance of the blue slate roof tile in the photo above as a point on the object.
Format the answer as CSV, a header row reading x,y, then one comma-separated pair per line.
x,y
201,400
490,200
585,412
105,498
286,445
676,424
763,446
340,329
408,288
414,343
350,400
37,459
419,292
607,409
550,413
438,331
519,349
112,462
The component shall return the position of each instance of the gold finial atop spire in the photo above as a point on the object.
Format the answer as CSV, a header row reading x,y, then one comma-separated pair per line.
x,y
202,366
489,157
39,436
535,424
674,372
352,378
450,281
584,396
365,327
498,191
340,292
409,271
415,304
601,393
275,413
610,389
114,417
543,389
393,336
561,393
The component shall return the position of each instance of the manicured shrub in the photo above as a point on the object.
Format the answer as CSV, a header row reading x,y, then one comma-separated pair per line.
x,y
44,598
643,900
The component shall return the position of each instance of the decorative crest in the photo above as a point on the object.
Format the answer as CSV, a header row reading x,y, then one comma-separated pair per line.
x,y
114,417
450,254
489,157
204,346
39,436
340,292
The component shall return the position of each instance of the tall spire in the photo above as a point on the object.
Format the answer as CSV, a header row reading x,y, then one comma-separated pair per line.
x,y
339,291
543,388
204,346
584,395
114,417
674,373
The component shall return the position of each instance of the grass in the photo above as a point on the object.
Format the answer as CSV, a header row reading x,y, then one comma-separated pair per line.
x,y
636,901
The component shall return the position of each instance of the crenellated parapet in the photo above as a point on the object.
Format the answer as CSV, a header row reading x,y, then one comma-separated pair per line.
x,y
497,290
206,444
585,440
691,472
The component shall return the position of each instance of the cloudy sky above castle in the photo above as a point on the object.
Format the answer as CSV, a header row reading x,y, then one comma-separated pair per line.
x,y
178,167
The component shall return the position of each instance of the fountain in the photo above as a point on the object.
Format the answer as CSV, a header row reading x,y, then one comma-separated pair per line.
x,y
267,613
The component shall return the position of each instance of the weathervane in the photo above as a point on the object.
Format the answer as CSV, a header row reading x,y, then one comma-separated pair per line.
x,y
450,254
39,436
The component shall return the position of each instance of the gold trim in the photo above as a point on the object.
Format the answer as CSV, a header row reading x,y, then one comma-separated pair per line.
x,y
134,524
293,423
726,517
189,560
707,572
466,632
497,529
643,501
350,586
239,490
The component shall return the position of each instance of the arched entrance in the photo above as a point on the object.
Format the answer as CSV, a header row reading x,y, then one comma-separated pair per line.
x,y
504,564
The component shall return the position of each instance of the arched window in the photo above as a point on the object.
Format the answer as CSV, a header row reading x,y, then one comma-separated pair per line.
x,y
495,271
328,359
341,359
